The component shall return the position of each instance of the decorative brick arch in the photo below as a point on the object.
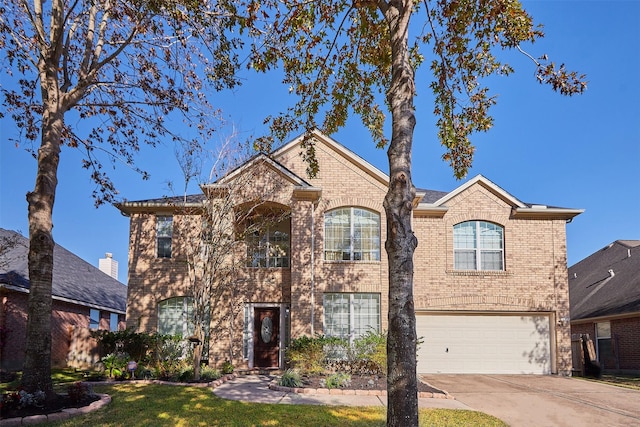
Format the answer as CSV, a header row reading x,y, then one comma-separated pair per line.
x,y
355,202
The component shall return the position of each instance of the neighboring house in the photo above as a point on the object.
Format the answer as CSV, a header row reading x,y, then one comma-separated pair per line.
x,y
604,289
490,284
84,298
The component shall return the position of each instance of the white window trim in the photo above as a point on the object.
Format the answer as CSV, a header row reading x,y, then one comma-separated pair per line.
x,y
477,249
351,235
352,313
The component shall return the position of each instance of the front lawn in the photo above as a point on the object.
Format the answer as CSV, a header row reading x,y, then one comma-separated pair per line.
x,y
137,404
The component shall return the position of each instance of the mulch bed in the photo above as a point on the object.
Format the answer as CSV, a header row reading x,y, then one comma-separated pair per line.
x,y
62,401
363,382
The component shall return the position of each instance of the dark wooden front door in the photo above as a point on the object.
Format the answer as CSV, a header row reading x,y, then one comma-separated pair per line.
x,y
266,337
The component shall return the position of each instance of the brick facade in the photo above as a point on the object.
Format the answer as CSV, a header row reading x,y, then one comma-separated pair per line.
x,y
534,279
625,336
71,343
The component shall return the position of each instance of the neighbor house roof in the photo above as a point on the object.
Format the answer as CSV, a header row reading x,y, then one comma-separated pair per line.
x,y
74,280
607,282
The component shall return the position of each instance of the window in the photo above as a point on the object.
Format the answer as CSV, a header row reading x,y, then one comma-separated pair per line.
x,y
175,316
113,322
269,248
478,245
164,234
604,346
351,234
350,316
246,331
94,318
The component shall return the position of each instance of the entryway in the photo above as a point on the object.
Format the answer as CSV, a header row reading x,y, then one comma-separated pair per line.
x,y
266,337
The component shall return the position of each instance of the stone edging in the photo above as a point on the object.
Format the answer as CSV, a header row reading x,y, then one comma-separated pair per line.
x,y
64,414
273,385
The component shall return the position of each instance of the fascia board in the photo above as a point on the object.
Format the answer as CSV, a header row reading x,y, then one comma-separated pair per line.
x,y
546,213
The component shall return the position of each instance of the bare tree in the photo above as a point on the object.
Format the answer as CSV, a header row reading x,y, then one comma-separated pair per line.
x,y
225,232
123,70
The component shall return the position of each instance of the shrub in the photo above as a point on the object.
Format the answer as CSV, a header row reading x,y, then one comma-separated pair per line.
x,y
227,367
338,380
79,391
371,351
186,374
309,355
116,364
290,378
209,374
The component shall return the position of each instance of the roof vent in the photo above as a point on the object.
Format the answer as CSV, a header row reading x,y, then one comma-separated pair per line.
x,y
575,275
611,273
628,253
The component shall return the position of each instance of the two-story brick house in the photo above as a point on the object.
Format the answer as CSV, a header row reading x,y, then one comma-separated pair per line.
x,y
490,281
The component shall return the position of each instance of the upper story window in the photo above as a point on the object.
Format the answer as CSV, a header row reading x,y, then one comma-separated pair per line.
x,y
351,234
164,235
269,247
478,245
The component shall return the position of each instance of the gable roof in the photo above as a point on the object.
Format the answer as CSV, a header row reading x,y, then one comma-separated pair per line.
x,y
343,151
74,280
429,206
607,282
426,203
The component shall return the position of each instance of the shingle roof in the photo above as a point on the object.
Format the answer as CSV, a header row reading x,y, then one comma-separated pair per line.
x,y
607,282
73,278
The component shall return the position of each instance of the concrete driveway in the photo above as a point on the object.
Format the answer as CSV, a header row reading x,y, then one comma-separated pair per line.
x,y
543,400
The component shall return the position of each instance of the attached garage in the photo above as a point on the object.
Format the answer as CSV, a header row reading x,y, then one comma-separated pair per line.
x,y
484,343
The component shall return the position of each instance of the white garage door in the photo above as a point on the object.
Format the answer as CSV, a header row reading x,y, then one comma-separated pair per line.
x,y
484,344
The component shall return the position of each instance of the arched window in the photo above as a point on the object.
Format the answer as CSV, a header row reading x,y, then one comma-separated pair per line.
x,y
175,316
478,245
351,234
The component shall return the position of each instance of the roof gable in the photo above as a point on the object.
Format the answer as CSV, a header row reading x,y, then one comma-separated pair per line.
x,y
341,150
74,280
519,209
607,282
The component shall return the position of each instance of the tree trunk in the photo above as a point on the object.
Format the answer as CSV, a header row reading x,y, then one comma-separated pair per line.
x,y
37,365
402,385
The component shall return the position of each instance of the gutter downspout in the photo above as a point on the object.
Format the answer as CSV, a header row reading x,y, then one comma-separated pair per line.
x,y
313,233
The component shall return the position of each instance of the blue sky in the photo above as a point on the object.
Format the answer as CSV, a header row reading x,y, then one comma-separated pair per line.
x,y
579,152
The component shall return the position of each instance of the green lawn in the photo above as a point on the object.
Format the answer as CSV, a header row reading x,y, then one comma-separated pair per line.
x,y
137,404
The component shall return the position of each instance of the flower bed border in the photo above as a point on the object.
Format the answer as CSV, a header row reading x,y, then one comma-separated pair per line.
x,y
273,385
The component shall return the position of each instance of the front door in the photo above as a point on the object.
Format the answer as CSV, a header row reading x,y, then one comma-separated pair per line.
x,y
266,337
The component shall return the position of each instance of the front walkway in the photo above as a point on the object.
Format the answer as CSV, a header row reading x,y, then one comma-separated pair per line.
x,y
255,388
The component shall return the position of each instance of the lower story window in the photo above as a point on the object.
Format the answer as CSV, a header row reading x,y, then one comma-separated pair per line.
x,y
175,316
351,315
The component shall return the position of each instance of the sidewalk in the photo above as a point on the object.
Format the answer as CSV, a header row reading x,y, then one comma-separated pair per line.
x,y
255,388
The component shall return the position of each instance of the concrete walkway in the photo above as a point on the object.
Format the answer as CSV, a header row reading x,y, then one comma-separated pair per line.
x,y
255,388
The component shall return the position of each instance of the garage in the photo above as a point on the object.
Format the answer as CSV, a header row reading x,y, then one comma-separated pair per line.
x,y
484,343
